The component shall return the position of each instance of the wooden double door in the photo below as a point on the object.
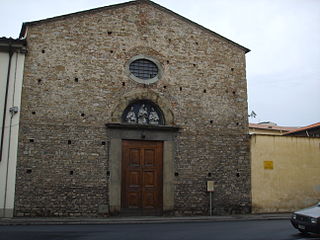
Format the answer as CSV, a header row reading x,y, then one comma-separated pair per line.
x,y
142,163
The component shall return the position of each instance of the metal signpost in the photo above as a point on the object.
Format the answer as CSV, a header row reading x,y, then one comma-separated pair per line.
x,y
210,189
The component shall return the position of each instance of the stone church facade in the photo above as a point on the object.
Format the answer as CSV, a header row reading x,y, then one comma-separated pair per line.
x,y
131,109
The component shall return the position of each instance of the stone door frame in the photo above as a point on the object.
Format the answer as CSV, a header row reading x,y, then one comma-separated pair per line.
x,y
117,132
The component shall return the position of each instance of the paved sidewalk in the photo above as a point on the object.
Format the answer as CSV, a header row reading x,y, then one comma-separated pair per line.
x,y
140,220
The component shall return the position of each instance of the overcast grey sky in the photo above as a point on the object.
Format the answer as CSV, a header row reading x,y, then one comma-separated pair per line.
x,y
283,67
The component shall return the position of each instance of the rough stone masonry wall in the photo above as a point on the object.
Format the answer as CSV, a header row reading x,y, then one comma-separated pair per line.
x,y
74,79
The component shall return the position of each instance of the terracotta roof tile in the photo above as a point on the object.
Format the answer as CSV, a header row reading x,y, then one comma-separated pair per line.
x,y
314,125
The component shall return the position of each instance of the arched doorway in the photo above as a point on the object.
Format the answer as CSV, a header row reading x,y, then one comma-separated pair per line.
x,y
141,188
141,158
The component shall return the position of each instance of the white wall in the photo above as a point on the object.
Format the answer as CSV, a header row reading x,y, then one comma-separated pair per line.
x,y
11,128
4,61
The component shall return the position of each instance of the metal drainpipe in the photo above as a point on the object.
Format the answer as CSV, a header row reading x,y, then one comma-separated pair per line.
x,y
307,133
5,101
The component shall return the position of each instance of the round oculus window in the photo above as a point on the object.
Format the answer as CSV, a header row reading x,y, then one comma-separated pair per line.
x,y
143,69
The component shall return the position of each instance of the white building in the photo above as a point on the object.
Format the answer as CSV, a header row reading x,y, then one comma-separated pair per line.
x,y
12,54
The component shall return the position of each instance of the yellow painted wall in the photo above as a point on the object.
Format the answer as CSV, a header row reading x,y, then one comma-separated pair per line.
x,y
294,181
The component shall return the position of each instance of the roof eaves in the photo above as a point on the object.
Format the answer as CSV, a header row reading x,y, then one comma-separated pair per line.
x,y
10,44
315,125
269,127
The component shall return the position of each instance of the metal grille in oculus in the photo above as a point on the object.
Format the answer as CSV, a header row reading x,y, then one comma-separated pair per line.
x,y
143,69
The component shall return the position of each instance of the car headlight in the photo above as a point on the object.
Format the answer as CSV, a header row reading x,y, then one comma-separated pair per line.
x,y
313,220
294,216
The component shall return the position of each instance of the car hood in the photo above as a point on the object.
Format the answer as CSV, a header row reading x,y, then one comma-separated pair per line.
x,y
311,211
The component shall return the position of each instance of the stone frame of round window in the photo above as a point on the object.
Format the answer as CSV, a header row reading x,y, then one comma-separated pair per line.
x,y
141,80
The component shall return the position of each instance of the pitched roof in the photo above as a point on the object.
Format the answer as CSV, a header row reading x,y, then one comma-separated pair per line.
x,y
159,7
270,127
309,127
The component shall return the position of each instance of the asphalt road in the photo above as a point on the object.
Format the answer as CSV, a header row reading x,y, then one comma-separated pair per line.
x,y
236,230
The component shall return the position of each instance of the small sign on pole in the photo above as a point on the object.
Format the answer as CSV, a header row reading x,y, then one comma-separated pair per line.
x,y
210,189
210,186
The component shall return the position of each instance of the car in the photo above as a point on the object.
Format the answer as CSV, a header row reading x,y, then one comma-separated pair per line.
x,y
307,220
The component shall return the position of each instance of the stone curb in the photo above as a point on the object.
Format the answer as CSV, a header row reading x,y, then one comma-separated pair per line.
x,y
138,220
